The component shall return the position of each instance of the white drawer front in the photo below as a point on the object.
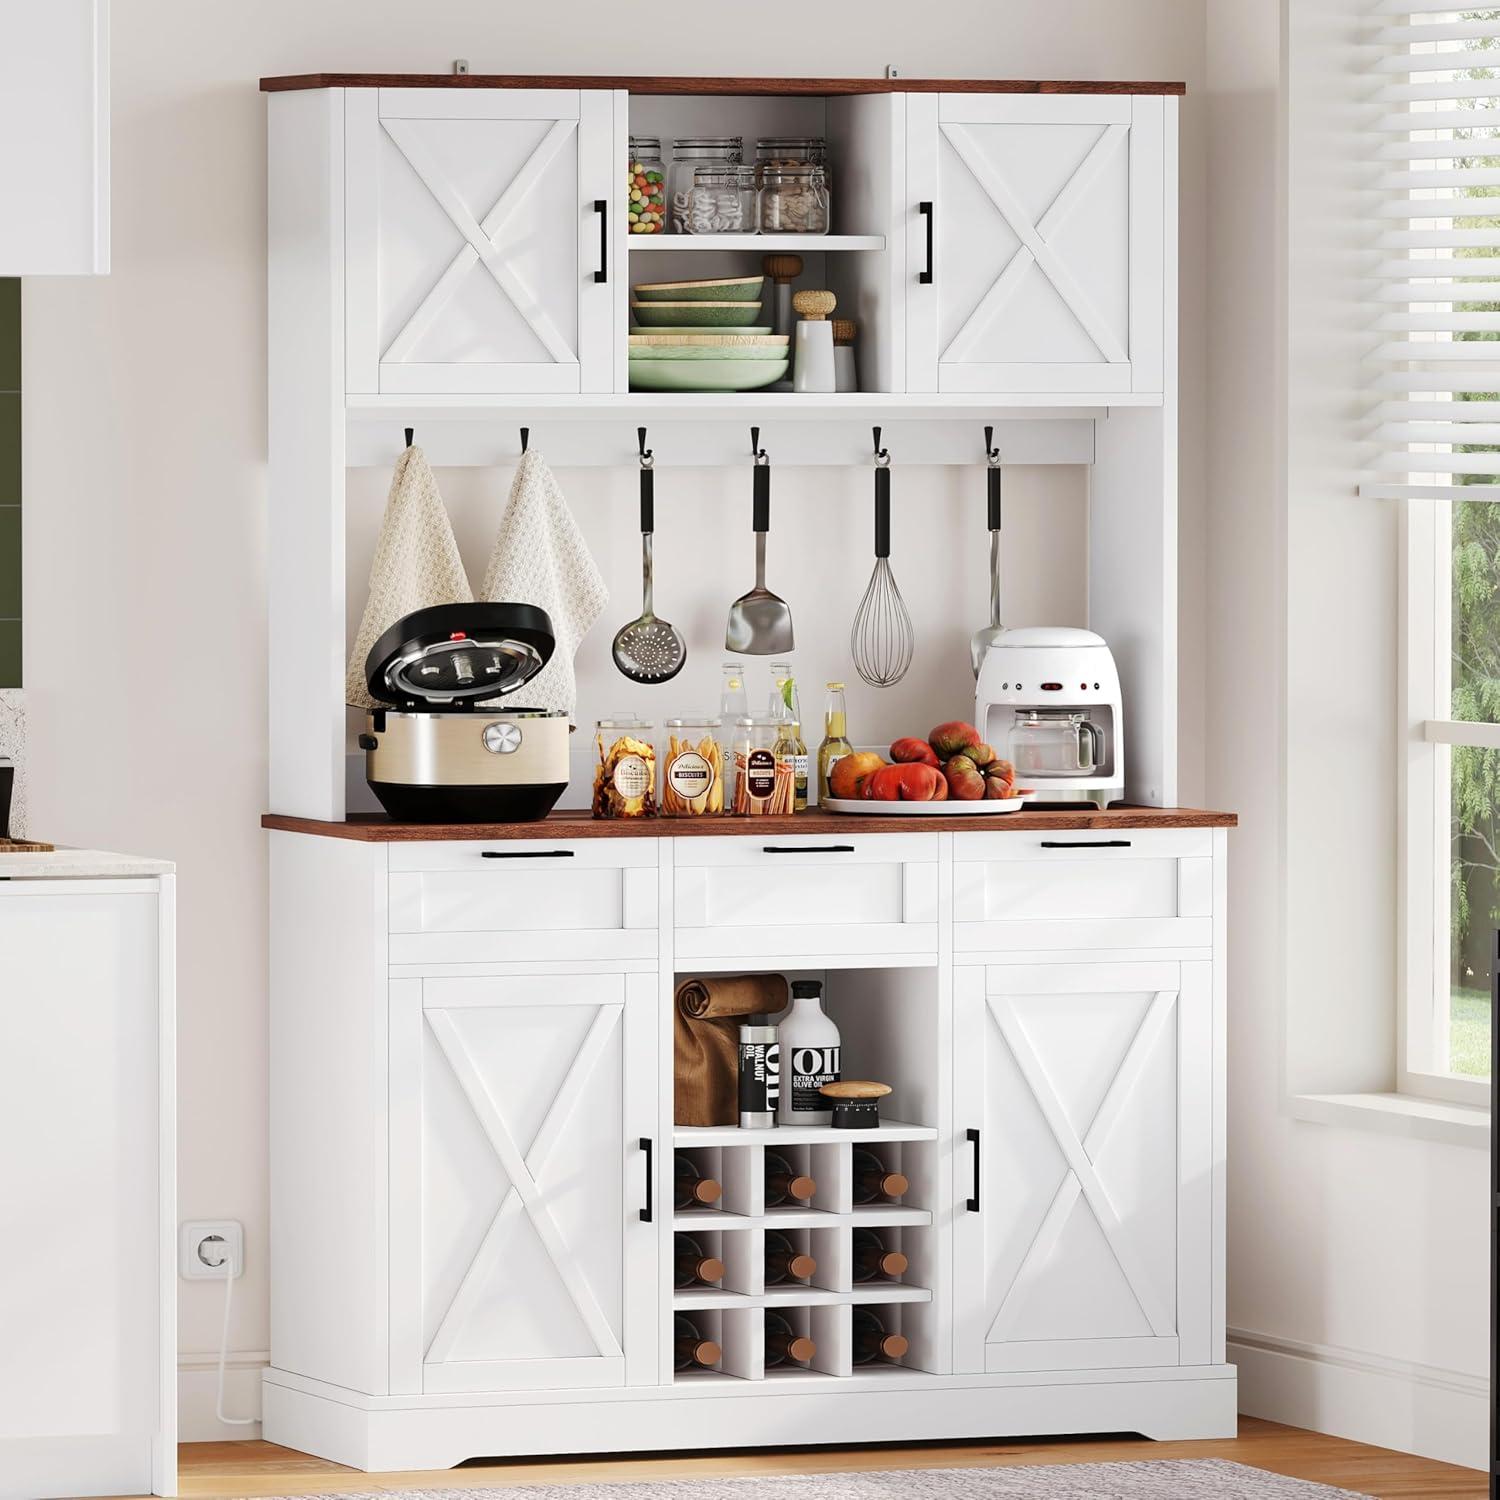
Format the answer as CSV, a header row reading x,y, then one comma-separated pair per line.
x,y
749,897
473,903
1133,889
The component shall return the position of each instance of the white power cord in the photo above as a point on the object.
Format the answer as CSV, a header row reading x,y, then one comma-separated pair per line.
x,y
228,1263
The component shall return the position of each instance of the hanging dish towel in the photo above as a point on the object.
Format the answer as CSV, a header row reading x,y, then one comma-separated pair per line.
x,y
416,564
540,558
705,1042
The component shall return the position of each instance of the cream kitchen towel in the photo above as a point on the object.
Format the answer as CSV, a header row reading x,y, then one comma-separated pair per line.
x,y
540,558
416,564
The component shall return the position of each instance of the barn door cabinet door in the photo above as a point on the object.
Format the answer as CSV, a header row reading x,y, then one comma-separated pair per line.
x,y
1036,231
1084,1116
519,1256
482,240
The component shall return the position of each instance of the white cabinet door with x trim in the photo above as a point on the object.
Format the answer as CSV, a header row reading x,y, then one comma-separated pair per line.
x,y
1083,1107
482,230
1036,237
519,1256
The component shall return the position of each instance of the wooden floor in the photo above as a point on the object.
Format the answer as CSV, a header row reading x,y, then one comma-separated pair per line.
x,y
216,1471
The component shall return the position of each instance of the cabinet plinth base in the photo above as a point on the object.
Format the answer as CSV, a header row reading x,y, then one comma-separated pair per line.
x,y
385,1433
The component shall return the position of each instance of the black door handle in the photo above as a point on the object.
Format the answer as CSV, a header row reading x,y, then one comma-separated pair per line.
x,y
972,1204
601,207
810,849
646,1146
1085,843
925,277
525,854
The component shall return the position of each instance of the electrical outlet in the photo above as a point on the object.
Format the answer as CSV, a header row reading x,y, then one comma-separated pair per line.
x,y
204,1245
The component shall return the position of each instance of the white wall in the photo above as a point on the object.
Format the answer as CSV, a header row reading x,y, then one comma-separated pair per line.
x,y
1358,1262
144,438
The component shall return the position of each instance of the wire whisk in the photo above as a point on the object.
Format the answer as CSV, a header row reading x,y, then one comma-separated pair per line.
x,y
882,640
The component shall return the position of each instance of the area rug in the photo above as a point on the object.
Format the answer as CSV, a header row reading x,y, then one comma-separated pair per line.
x,y
1152,1479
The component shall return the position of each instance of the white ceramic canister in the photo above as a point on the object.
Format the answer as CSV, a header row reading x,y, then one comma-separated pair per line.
x,y
809,1044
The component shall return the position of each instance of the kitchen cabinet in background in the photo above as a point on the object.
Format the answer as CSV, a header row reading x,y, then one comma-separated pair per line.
x,y
88,1292
54,138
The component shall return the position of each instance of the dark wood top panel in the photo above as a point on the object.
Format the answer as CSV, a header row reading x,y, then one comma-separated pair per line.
x,y
375,829
742,86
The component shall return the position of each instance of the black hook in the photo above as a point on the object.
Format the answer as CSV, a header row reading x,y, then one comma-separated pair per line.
x,y
525,438
410,433
756,451
882,455
991,452
646,452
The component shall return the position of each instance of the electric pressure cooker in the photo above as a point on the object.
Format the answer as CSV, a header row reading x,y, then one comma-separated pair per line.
x,y
437,750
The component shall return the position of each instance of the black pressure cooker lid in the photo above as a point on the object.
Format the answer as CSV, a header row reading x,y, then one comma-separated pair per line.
x,y
458,654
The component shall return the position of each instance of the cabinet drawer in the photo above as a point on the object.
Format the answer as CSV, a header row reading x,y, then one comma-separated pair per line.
x,y
783,895
463,902
1090,889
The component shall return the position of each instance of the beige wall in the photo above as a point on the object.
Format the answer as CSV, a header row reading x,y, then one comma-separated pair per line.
x,y
145,560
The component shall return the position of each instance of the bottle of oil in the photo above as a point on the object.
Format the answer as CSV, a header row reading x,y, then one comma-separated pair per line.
x,y
835,744
790,746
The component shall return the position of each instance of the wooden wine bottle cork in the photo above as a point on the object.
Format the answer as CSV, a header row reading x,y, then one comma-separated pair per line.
x,y
814,307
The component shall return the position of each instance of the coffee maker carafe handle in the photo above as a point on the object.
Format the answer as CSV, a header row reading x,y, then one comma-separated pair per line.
x,y
1090,746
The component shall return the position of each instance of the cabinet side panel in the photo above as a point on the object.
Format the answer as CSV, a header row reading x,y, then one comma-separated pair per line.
x,y
305,258
329,1190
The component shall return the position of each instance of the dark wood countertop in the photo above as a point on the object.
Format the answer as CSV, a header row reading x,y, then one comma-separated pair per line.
x,y
375,829
740,86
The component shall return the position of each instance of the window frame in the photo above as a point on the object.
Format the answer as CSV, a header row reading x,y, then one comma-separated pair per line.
x,y
1424,822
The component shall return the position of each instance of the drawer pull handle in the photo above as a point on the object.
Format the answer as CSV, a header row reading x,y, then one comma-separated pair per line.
x,y
925,277
807,849
1085,843
525,854
601,207
646,1146
972,1204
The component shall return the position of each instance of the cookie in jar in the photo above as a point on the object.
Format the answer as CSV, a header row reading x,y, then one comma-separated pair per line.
x,y
624,769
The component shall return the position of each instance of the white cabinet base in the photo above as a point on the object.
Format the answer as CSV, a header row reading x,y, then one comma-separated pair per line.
x,y
394,1433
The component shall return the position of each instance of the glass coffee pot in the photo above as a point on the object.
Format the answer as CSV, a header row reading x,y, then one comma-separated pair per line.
x,y
1055,743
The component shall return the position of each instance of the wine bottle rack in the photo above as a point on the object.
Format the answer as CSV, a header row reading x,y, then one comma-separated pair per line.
x,y
732,1311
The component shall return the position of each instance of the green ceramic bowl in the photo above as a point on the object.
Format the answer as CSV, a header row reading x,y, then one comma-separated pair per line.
x,y
758,328
695,314
730,289
706,374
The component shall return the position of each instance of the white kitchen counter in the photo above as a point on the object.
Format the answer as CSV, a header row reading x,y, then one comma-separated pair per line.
x,y
73,864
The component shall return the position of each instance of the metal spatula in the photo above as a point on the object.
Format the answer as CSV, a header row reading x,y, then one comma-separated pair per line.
x,y
648,649
983,639
760,622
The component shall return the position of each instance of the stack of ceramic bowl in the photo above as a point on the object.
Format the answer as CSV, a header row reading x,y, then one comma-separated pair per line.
x,y
704,336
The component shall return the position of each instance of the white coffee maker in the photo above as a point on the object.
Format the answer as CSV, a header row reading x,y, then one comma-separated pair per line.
x,y
1048,700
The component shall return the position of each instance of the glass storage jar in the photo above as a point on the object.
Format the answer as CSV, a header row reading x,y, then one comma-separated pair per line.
x,y
792,151
692,769
688,154
624,768
721,201
646,177
793,200
763,785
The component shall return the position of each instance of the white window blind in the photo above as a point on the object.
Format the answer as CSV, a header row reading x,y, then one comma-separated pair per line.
x,y
1435,113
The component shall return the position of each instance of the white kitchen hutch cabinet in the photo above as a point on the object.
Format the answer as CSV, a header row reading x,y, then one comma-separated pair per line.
x,y
471,1038
88,1193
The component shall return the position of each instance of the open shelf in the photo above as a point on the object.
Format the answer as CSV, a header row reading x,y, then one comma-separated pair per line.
x,y
797,1135
806,244
797,1295
865,1216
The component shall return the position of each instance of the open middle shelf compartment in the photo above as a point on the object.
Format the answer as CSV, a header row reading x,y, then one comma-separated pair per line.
x,y
829,1231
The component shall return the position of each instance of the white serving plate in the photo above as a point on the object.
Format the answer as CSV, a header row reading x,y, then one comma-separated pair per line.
x,y
948,808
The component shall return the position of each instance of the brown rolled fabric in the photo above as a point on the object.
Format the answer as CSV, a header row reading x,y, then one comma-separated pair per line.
x,y
706,1042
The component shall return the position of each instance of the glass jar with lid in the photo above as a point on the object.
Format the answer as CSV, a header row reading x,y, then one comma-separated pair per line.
x,y
791,151
763,785
721,201
688,154
692,769
624,768
646,178
793,200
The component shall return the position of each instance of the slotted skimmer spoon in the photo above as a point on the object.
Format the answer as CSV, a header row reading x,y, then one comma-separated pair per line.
x,y
881,640
648,649
981,641
760,622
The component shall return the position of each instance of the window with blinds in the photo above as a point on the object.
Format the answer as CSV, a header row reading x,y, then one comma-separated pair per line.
x,y
1437,146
